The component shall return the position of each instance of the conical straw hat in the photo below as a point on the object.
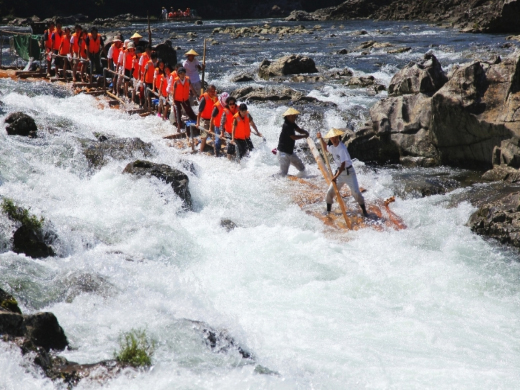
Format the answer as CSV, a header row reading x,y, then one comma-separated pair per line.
x,y
291,111
191,53
136,35
333,133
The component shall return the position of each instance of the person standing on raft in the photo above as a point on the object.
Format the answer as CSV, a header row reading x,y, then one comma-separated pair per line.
x,y
192,66
241,131
345,173
286,142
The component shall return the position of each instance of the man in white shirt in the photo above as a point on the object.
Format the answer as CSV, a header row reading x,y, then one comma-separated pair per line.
x,y
193,66
345,173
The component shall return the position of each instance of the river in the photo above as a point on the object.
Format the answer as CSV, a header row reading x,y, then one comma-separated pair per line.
x,y
433,306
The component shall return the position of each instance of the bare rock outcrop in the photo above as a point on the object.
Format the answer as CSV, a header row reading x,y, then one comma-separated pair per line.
x,y
287,65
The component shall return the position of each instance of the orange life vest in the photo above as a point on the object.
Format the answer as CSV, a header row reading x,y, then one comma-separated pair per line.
x,y
242,130
75,46
83,48
135,61
129,59
230,117
216,120
57,39
182,91
94,45
164,86
147,74
48,42
158,80
115,53
208,107
65,46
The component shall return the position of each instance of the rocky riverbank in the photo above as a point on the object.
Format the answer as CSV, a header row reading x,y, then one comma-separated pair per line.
x,y
488,16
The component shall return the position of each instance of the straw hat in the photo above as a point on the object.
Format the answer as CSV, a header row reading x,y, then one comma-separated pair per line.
x,y
191,53
291,111
136,35
333,133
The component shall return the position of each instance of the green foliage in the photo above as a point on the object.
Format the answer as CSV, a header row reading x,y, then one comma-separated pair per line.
x,y
11,304
21,215
135,348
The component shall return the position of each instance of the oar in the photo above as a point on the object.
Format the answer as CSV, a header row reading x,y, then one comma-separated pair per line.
x,y
338,195
203,69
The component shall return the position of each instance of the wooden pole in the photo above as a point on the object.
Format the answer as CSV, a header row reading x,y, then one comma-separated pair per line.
x,y
149,29
203,69
338,195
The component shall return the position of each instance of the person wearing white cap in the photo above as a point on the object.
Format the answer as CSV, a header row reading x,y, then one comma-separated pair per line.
x,y
345,173
193,66
286,143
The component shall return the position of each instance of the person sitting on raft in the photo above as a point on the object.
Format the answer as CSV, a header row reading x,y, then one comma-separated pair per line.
x,y
345,173
181,97
288,138
226,122
241,131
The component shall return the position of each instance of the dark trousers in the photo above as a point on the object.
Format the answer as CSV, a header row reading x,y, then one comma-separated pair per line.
x,y
179,106
95,59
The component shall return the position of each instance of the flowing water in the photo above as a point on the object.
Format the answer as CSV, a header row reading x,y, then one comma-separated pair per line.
x,y
433,306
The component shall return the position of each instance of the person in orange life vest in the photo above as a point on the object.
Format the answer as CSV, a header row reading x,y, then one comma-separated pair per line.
x,y
163,88
75,45
95,45
113,53
83,55
242,131
47,45
206,105
135,76
64,50
56,38
147,77
181,97
120,67
127,65
158,77
226,121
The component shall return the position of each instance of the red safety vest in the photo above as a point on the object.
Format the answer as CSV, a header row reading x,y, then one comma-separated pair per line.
x,y
208,107
58,37
182,91
230,117
94,45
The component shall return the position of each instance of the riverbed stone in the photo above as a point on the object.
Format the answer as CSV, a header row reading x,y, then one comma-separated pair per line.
x,y
499,220
99,152
19,123
33,242
177,179
44,331
287,65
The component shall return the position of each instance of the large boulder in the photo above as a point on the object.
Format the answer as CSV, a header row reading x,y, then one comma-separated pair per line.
x,y
424,76
287,65
475,111
499,219
178,180
43,330
166,52
33,242
19,123
99,152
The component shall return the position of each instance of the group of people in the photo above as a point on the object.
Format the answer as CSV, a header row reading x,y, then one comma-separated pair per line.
x,y
72,50
175,14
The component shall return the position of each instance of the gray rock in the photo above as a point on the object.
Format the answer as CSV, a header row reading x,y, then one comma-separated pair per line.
x,y
287,65
361,81
34,243
242,77
228,224
22,124
502,173
178,180
99,153
425,76
44,331
499,220
8,302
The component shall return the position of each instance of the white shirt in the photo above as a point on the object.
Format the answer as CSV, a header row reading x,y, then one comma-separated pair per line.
x,y
191,70
340,154
110,52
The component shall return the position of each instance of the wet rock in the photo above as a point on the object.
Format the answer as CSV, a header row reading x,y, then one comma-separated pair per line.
x,y
178,180
499,220
502,173
266,94
287,65
508,153
399,50
425,76
99,153
43,330
368,146
301,16
33,242
342,51
22,124
358,33
361,81
8,303
11,324
242,77
228,224
220,341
